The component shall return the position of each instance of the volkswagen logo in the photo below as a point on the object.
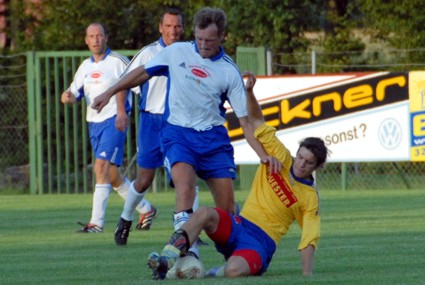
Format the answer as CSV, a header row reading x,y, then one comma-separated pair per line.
x,y
389,133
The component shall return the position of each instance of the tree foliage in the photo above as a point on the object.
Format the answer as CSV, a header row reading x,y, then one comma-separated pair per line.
x,y
339,38
400,23
59,25
277,24
280,25
397,24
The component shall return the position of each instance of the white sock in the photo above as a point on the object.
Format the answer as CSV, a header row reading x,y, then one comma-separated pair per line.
x,y
122,190
144,207
133,199
179,219
217,271
196,201
100,200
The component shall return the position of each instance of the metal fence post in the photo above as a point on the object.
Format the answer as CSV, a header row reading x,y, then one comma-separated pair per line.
x,y
269,62
344,178
31,123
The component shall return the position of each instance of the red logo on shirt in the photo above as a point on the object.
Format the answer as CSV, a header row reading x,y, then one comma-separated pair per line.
x,y
199,73
282,189
96,75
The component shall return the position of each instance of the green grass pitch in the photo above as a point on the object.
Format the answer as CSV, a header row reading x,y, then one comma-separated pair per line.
x,y
368,237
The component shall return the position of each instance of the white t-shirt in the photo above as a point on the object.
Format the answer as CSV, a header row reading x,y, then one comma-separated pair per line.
x,y
198,87
152,93
93,78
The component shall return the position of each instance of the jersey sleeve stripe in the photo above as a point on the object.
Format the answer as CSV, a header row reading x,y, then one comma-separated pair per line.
x,y
123,58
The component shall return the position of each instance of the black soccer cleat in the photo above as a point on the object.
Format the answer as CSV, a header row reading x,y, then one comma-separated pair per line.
x,y
122,232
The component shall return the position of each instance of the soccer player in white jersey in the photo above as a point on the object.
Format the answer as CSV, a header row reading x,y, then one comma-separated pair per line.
x,y
151,109
194,140
108,128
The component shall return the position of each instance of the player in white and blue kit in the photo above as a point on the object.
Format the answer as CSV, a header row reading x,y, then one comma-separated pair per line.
x,y
108,128
195,142
151,109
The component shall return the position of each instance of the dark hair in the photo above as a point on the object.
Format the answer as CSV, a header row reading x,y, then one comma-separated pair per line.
x,y
207,16
98,24
317,147
173,11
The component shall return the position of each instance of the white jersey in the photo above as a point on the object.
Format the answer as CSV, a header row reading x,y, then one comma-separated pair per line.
x,y
198,87
93,78
152,93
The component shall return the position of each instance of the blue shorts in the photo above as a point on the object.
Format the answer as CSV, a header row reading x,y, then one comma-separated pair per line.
x,y
107,142
238,235
149,153
209,152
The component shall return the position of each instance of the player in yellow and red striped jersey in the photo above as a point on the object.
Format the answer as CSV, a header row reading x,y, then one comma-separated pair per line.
x,y
283,191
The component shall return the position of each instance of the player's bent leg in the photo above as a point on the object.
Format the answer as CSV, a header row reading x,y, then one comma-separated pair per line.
x,y
237,266
218,219
203,219
207,219
181,240
244,262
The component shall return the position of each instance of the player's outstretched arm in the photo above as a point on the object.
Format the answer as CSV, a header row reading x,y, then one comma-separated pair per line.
x,y
134,78
255,115
254,120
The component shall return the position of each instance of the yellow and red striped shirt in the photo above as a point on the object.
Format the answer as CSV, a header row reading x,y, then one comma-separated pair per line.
x,y
277,200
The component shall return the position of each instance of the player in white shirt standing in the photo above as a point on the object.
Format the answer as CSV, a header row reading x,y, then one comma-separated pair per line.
x,y
151,122
151,108
194,140
108,128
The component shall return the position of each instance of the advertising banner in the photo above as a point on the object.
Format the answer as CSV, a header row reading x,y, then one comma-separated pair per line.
x,y
361,117
417,115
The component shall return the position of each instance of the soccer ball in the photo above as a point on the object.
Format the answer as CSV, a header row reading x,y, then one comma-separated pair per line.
x,y
187,267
